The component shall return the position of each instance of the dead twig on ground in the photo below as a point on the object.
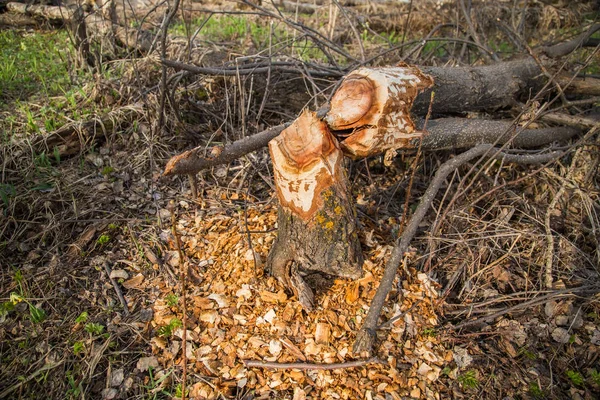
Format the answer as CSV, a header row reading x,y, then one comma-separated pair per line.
x,y
310,366
592,289
549,235
366,336
182,283
117,288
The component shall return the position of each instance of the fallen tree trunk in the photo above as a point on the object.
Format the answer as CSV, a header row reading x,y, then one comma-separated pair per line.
x,y
96,25
71,138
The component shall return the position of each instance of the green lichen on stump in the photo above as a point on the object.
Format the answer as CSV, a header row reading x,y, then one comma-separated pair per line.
x,y
327,242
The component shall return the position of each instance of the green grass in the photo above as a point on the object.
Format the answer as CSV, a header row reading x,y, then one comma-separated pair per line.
x,y
469,379
575,377
229,28
535,391
33,64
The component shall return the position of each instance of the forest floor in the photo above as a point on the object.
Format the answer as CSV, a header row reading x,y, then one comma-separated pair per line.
x,y
90,297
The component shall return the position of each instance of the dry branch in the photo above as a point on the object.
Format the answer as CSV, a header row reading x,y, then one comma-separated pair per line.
x,y
195,160
56,13
565,48
462,133
366,336
580,86
309,366
70,139
97,25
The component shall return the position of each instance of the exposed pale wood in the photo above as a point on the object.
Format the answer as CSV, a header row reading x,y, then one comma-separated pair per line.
x,y
375,104
317,228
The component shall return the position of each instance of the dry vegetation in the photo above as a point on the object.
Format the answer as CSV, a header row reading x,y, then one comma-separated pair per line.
x,y
91,302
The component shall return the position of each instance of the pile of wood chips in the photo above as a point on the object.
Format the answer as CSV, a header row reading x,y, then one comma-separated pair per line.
x,y
237,312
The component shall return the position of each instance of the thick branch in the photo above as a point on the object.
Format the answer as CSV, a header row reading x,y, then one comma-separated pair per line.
x,y
462,89
562,49
445,133
462,133
194,160
251,70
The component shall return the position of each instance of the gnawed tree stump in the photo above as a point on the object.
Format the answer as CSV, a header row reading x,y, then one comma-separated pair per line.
x,y
370,112
316,218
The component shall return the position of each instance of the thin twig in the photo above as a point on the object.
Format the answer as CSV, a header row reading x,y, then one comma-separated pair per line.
x,y
549,236
182,282
117,288
592,289
366,335
310,366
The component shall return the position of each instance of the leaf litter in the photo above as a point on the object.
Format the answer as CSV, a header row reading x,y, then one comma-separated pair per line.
x,y
243,314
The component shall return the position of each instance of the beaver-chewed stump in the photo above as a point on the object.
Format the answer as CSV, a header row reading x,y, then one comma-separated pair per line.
x,y
317,228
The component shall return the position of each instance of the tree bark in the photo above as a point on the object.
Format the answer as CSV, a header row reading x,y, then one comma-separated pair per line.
x,y
485,88
317,229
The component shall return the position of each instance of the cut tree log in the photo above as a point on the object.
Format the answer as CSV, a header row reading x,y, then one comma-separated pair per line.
x,y
370,112
317,228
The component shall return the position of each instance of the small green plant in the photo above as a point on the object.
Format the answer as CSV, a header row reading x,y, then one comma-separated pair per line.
x,y
535,391
154,384
78,347
167,330
5,309
179,392
575,377
94,328
7,192
107,170
469,379
172,299
81,318
113,227
528,354
74,387
56,155
594,376
36,314
429,332
103,239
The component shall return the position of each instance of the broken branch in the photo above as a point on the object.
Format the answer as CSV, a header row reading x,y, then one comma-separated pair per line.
x,y
194,160
310,366
366,335
565,48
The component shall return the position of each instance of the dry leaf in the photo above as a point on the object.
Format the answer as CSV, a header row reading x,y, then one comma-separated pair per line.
x,y
134,283
119,274
270,297
322,333
352,293
146,362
